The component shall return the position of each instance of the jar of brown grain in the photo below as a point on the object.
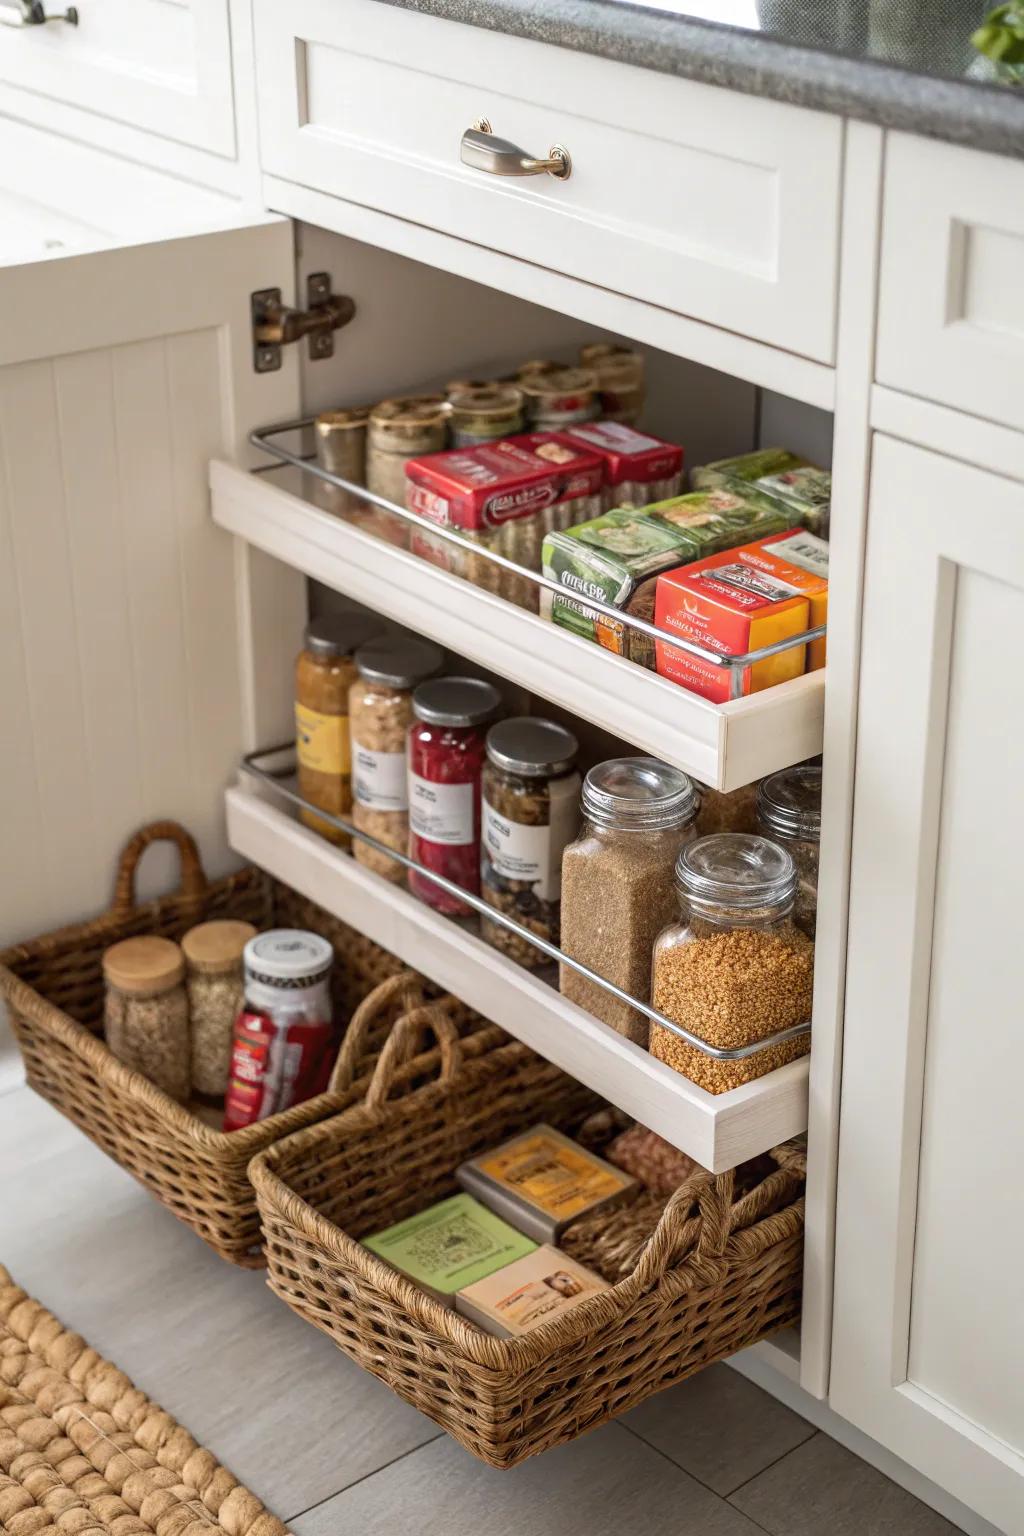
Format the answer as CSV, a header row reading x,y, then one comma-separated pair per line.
x,y
324,673
733,968
380,714
215,985
146,1011
789,812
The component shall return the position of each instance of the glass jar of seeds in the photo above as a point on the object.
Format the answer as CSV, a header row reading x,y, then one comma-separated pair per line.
x,y
146,1011
530,811
620,380
400,430
617,891
732,968
789,811
215,985
380,714
557,398
481,413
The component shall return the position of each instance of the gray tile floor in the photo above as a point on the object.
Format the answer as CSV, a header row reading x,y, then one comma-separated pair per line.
x,y
330,1450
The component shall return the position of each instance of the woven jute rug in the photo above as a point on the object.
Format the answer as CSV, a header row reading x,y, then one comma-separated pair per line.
x,y
84,1453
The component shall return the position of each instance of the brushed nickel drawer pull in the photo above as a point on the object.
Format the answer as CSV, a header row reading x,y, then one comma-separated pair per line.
x,y
484,151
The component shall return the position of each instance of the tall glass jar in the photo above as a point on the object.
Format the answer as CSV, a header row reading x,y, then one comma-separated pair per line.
x,y
380,714
400,430
732,968
789,811
617,882
146,1011
481,413
324,673
620,380
531,798
446,757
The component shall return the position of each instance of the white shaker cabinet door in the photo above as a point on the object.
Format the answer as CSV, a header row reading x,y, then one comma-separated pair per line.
x,y
928,1351
122,373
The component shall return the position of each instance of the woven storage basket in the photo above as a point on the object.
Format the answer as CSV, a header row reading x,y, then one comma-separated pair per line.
x,y
706,1274
54,989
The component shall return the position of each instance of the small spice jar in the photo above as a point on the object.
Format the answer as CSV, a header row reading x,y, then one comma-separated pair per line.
x,y
146,1011
617,891
341,449
446,756
400,430
213,981
620,380
324,673
733,968
789,812
559,397
380,714
530,799
481,413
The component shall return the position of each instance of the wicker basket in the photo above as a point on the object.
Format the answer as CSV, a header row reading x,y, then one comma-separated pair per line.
x,y
708,1274
54,988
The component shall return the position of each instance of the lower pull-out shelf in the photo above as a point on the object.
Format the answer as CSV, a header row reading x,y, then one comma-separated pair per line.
x,y
718,1130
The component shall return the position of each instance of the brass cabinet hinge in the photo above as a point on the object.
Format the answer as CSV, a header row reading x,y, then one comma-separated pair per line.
x,y
274,325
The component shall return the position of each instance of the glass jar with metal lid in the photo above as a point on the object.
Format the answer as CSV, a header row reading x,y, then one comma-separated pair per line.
x,y
380,714
620,379
530,796
789,811
732,969
559,397
481,413
400,430
617,882
446,755
324,673
340,449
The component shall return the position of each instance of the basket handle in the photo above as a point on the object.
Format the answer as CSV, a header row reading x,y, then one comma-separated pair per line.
x,y
398,1049
406,986
193,883
714,1199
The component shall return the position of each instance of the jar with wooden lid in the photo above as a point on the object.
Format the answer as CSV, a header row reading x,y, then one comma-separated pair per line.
x,y
617,882
146,1011
732,968
215,984
400,430
484,412
789,812
324,674
380,714
620,380
530,811
341,449
559,398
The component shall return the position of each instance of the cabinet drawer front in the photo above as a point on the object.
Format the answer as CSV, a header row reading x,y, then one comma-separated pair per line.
x,y
951,312
711,204
160,65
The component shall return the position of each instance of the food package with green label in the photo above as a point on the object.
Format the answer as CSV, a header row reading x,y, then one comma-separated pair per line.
x,y
450,1245
617,558
745,466
785,478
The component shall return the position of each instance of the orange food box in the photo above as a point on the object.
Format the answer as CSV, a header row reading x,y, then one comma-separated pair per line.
x,y
800,561
730,604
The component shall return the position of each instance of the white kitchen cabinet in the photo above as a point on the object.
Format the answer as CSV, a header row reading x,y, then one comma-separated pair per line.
x,y
929,1327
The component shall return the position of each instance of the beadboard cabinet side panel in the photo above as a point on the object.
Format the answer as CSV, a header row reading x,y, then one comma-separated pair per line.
x,y
119,655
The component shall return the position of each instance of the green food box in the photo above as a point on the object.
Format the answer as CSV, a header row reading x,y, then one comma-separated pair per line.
x,y
449,1246
746,467
805,492
721,518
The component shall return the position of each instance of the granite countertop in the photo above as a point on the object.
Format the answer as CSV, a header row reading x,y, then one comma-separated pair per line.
x,y
901,63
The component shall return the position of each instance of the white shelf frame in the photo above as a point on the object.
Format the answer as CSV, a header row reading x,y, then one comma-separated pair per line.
x,y
718,1130
723,745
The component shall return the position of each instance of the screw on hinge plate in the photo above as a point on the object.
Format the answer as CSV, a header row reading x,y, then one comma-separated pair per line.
x,y
274,324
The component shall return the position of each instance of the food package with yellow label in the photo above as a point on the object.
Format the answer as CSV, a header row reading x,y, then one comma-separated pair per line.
x,y
541,1181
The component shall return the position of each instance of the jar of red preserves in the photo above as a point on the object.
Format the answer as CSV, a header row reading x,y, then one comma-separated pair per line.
x,y
446,757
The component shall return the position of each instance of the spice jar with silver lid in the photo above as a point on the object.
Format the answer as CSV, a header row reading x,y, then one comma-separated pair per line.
x,y
284,1038
620,380
146,1011
732,968
559,398
481,413
400,430
324,673
789,812
213,980
617,891
380,714
530,812
341,450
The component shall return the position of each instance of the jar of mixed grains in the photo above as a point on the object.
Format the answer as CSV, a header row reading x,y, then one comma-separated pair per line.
x,y
146,1011
215,985
400,430
324,673
617,889
789,811
732,968
380,714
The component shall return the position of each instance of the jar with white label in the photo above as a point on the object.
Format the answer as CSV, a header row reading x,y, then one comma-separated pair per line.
x,y
380,714
530,805
446,756
324,673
